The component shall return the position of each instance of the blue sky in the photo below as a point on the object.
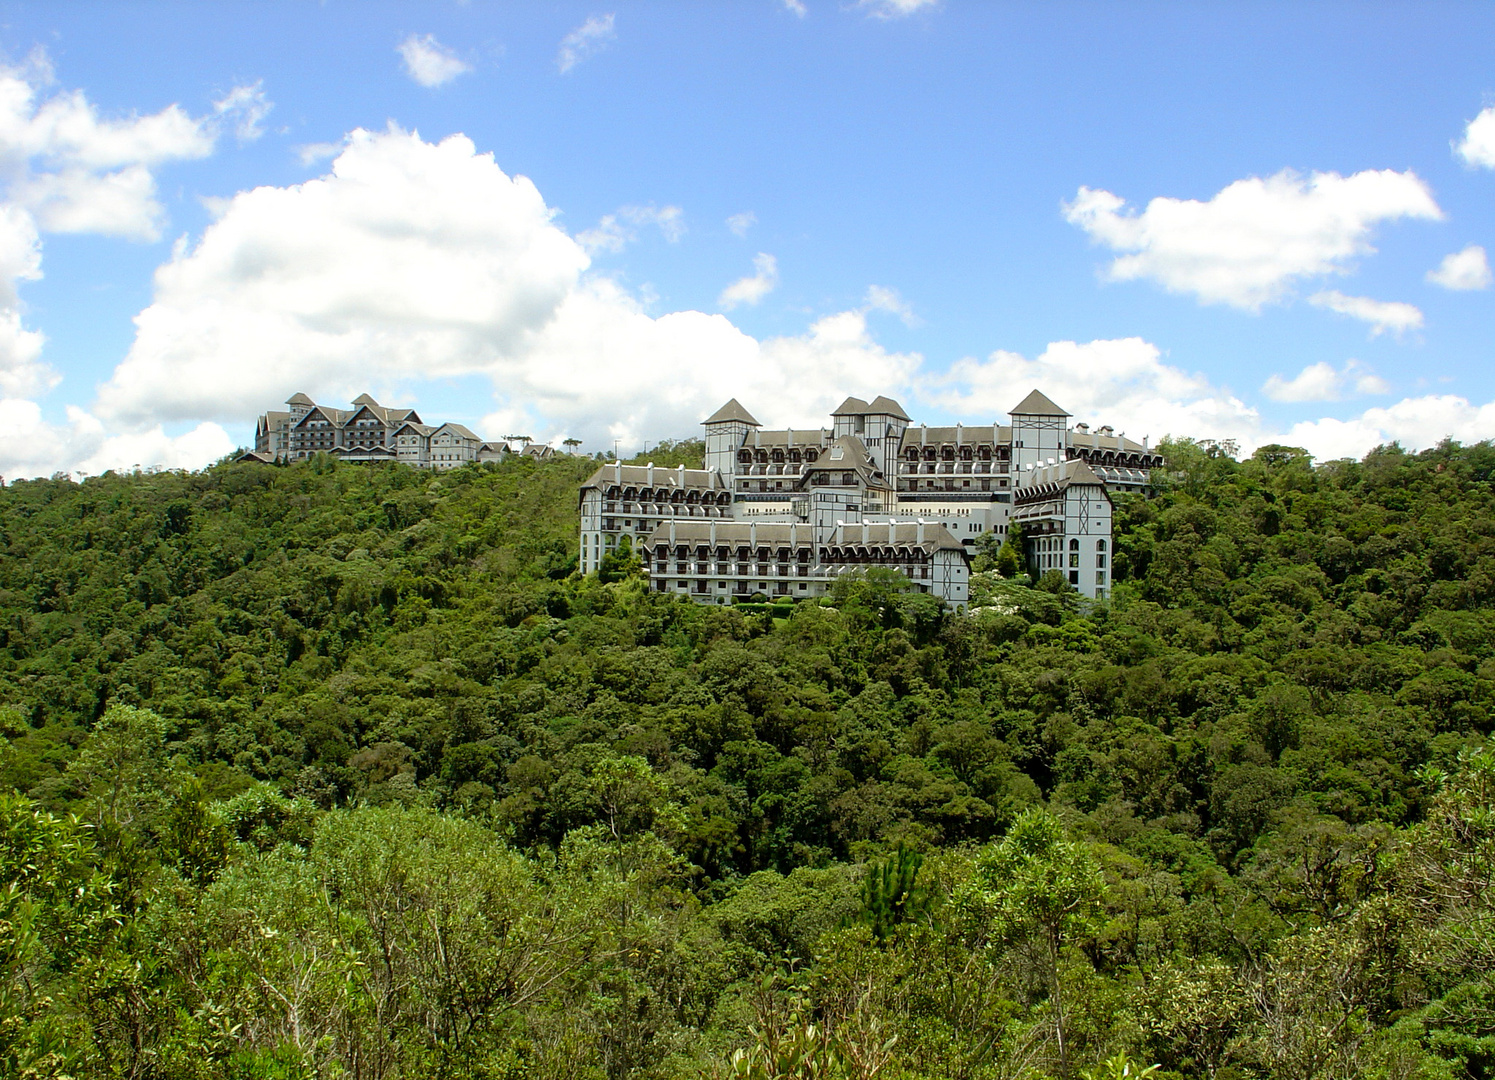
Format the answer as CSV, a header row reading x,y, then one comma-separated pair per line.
x,y
601,220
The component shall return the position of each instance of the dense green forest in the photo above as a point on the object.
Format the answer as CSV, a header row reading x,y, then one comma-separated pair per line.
x,y
340,771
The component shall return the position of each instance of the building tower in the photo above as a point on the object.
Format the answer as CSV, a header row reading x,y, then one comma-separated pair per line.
x,y
1040,433
726,430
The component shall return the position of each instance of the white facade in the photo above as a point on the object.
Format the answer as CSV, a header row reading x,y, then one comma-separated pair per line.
x,y
1065,514
371,432
871,467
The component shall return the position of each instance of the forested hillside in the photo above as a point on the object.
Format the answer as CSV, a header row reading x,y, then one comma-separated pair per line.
x,y
321,770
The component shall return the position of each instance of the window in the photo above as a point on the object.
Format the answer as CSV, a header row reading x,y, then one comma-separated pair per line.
x,y
1074,577
1100,560
1100,577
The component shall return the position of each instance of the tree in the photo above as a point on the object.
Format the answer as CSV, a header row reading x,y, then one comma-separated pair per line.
x,y
1039,886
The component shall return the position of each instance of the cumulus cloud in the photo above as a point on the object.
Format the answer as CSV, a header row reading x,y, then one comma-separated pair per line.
x,y
1382,315
30,446
246,107
429,62
795,7
882,298
66,168
749,290
1463,270
616,231
1323,382
894,9
1248,244
739,224
1477,148
1126,383
586,41
1416,423
1123,382
410,261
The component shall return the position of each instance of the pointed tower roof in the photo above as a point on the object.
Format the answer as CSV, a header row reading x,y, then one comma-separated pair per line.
x,y
732,410
299,399
364,399
1035,404
886,406
852,406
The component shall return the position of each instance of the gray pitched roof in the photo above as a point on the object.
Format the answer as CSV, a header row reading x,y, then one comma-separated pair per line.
x,y
1046,480
364,399
1036,404
886,406
970,435
732,410
852,406
854,458
1094,440
896,534
664,476
299,399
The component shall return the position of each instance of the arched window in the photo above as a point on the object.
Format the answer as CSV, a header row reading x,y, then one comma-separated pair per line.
x,y
1100,545
1074,545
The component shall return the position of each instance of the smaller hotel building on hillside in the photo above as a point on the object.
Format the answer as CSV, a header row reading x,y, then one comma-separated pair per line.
x,y
370,432
783,513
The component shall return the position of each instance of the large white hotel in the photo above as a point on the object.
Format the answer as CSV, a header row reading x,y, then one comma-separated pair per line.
x,y
783,513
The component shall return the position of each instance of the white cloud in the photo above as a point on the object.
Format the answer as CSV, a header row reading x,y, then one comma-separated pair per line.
x,y
1123,382
612,235
429,62
1463,270
749,290
1382,315
795,7
76,171
882,298
609,235
1248,244
30,446
410,261
1417,423
1126,383
1477,148
316,153
247,106
1322,382
741,223
65,168
894,9
670,219
586,41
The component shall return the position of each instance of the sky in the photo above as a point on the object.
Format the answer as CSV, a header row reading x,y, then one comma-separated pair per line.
x,y
1257,222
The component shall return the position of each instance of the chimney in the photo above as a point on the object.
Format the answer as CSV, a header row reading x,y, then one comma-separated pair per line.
x,y
682,476
919,533
1144,444
651,474
713,534
958,434
620,473
865,533
672,532
753,537
923,434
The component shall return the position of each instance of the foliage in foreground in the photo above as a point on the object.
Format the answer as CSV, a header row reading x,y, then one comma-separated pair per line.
x,y
326,771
